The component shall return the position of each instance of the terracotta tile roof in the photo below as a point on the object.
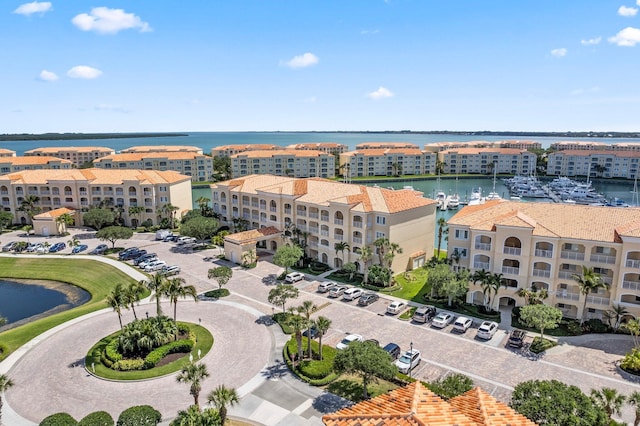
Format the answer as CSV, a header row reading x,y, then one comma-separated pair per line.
x,y
315,144
252,235
279,152
57,149
590,223
7,151
54,213
486,410
373,145
162,148
478,150
379,152
246,147
141,156
23,161
588,153
95,176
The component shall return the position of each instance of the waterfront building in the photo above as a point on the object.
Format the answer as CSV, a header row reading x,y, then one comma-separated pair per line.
x,y
516,144
594,163
544,245
486,160
78,155
15,164
189,163
328,147
329,212
229,150
7,153
386,145
80,189
162,148
387,162
578,145
284,162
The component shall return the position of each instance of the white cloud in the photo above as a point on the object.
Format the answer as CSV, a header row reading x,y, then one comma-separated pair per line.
x,y
302,61
83,71
48,76
110,108
109,21
592,41
381,93
559,53
34,7
628,37
627,11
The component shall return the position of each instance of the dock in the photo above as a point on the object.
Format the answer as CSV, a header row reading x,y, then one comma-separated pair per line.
x,y
552,194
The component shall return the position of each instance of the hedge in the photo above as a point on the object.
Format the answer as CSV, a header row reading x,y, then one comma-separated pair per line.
x,y
59,419
314,372
178,346
98,418
111,351
140,415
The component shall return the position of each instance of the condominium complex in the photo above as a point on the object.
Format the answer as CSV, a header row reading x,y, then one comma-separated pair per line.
x,y
189,163
544,245
15,164
79,189
329,212
7,153
229,150
595,146
594,163
387,162
487,160
386,145
516,144
162,148
284,162
328,147
78,155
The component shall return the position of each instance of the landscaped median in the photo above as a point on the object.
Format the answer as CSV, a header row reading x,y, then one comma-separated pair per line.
x,y
95,277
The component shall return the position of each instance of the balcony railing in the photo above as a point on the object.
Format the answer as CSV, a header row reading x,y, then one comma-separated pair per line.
x,y
324,218
314,215
287,211
566,274
597,300
631,263
563,294
254,204
481,265
357,240
338,221
324,233
301,212
510,270
601,258
544,253
573,255
33,192
234,202
338,237
512,250
483,246
541,273
357,224
313,229
607,280
631,285
273,209
313,244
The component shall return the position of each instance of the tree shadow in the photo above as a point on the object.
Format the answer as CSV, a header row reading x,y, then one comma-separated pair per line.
x,y
271,279
350,389
276,371
76,363
330,403
265,320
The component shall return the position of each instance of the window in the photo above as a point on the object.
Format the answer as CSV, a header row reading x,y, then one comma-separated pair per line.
x,y
379,235
462,234
381,220
462,252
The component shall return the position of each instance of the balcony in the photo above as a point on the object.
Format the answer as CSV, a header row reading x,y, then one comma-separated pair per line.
x,y
68,193
544,253
481,265
357,240
338,237
572,255
254,204
541,273
314,215
324,218
631,285
105,192
338,222
245,203
601,258
301,213
597,300
131,194
287,211
313,229
33,192
564,294
44,192
357,224
510,270
607,280
234,202
632,263
512,250
324,233
83,192
273,209
313,244
483,246
568,275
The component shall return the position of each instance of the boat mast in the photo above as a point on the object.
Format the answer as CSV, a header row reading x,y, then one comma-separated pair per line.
x,y
634,198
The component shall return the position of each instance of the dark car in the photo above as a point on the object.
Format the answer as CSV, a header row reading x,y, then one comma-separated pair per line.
x,y
133,254
57,247
314,332
516,338
393,350
79,248
127,252
100,249
143,256
368,298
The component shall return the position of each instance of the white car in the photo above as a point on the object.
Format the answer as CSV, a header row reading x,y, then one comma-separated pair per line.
x,y
442,320
146,263
155,266
408,361
396,307
325,286
352,294
344,343
487,329
185,240
462,324
294,277
337,291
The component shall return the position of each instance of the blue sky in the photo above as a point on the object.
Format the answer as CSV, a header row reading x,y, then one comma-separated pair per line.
x,y
143,65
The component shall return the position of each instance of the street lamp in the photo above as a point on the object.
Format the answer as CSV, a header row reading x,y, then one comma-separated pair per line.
x,y
410,357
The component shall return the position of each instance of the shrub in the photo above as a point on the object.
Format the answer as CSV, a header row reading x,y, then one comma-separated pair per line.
x,y
129,364
59,419
312,370
179,346
595,325
140,415
574,328
99,418
631,361
282,276
217,293
451,386
538,345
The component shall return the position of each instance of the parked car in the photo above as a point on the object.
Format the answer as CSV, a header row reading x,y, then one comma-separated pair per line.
x,y
393,350
314,332
325,286
408,361
143,257
293,277
396,307
9,246
133,254
424,314
32,247
373,341
516,338
42,249
368,298
156,265
57,247
462,324
352,293
126,252
79,248
146,262
169,270
100,249
337,291
442,320
344,343
171,239
487,329
163,233
185,240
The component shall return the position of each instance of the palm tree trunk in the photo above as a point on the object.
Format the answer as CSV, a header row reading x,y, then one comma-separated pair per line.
x,y
175,311
584,308
158,309
134,311
320,343
120,320
223,414
365,382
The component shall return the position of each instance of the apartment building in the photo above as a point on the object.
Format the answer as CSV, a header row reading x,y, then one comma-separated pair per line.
x,y
542,246
387,162
486,160
79,189
7,153
198,166
600,163
328,147
15,164
386,145
162,148
229,150
578,145
284,162
330,212
516,144
78,155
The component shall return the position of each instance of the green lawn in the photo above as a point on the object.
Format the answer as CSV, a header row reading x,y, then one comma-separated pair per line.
x,y
349,386
413,285
95,277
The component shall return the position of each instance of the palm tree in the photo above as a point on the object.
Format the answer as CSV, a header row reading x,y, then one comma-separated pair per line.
x,y
618,312
5,383
193,374
222,396
392,250
30,207
365,256
442,231
533,296
175,289
133,292
322,325
193,416
634,401
589,281
117,300
495,282
381,244
63,221
609,400
136,211
155,284
482,277
341,247
306,309
298,324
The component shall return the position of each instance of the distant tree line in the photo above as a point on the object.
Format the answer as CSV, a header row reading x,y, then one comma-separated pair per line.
x,y
74,136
